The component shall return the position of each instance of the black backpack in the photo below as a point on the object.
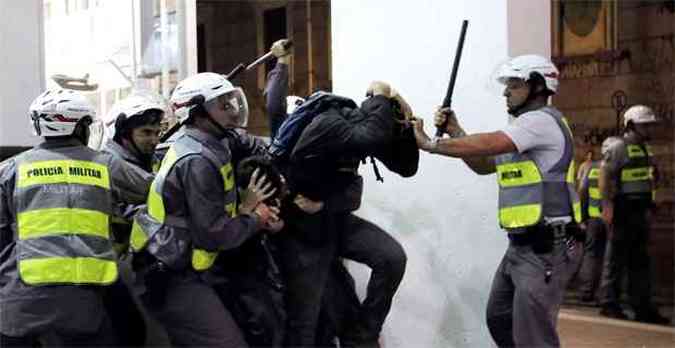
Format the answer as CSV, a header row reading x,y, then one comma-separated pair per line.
x,y
290,130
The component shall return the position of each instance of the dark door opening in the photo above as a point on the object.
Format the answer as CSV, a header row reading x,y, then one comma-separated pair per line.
x,y
275,29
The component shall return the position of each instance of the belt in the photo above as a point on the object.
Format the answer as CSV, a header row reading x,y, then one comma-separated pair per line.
x,y
542,234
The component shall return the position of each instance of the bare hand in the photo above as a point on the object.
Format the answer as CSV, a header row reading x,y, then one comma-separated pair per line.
x,y
278,48
423,140
283,55
257,191
379,88
274,226
405,107
307,205
267,215
447,117
608,214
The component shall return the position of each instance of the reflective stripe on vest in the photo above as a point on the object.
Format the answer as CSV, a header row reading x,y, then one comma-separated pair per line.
x,y
594,196
63,218
636,175
526,194
143,228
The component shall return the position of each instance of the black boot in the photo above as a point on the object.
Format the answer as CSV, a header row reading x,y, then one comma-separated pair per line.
x,y
613,310
651,316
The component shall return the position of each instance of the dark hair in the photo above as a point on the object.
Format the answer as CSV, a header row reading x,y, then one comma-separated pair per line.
x,y
537,80
195,112
126,125
247,166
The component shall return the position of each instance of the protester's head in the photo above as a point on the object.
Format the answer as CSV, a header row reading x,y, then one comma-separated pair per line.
x,y
135,122
641,120
62,113
245,170
211,100
527,79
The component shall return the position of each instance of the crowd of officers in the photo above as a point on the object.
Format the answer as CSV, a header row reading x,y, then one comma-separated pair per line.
x,y
95,245
617,195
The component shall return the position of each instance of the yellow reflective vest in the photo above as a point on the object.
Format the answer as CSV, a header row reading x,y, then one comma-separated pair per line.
x,y
169,235
63,218
594,195
637,174
527,194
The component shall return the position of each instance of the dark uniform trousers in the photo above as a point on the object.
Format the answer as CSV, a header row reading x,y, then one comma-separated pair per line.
x,y
627,253
103,337
594,254
527,291
307,271
192,314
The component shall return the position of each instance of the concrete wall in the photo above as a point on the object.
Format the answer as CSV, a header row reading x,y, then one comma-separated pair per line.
x,y
644,69
22,70
527,23
445,216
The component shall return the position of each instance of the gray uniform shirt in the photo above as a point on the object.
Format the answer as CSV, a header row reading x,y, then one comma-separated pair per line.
x,y
538,135
28,309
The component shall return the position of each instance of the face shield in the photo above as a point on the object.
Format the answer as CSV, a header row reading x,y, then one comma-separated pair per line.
x,y
233,108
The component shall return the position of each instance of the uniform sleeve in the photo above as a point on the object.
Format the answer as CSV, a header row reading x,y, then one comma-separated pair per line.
x,y
130,183
204,194
6,204
613,150
533,130
613,155
582,190
276,92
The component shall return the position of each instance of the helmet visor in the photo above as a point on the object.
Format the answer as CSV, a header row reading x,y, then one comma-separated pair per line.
x,y
235,106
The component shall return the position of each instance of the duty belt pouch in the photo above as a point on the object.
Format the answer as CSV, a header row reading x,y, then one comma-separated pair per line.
x,y
541,238
156,283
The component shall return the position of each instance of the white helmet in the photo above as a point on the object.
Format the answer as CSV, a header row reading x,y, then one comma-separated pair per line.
x,y
205,89
292,103
639,114
56,112
130,107
522,67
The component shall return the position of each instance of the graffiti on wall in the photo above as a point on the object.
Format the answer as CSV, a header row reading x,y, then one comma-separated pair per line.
x,y
651,56
645,56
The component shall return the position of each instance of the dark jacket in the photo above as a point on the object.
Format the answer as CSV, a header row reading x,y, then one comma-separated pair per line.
x,y
327,155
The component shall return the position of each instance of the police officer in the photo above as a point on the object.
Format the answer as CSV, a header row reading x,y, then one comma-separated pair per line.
x,y
193,214
56,202
596,233
132,129
627,183
538,204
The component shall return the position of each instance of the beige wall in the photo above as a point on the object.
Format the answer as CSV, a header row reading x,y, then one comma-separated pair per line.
x,y
21,67
524,23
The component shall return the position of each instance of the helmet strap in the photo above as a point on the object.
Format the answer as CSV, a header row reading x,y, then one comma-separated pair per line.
x,y
218,126
81,133
532,102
